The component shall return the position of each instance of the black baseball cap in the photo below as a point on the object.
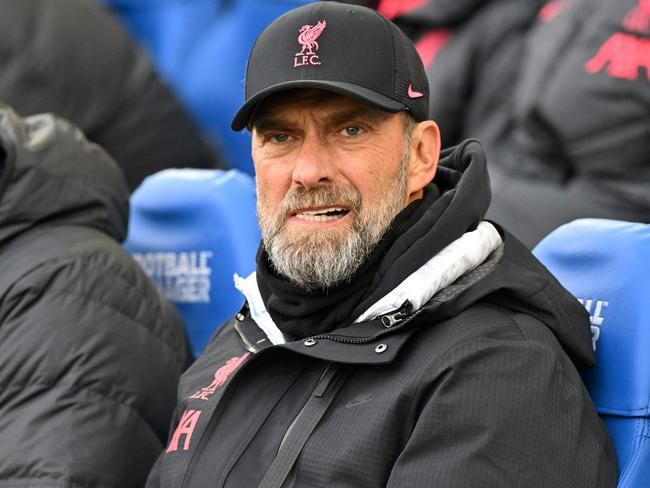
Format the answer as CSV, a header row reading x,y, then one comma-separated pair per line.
x,y
346,49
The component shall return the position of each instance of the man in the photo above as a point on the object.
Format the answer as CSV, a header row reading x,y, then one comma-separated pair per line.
x,y
390,337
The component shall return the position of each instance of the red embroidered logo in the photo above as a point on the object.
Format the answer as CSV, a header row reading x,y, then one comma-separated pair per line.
x,y
623,54
638,19
220,377
185,428
307,38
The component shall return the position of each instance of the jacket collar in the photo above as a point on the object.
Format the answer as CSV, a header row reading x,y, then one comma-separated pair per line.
x,y
458,258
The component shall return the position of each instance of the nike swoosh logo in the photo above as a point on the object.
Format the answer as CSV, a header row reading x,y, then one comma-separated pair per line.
x,y
359,401
414,94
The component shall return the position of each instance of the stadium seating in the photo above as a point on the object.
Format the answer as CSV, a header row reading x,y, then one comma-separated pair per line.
x,y
191,230
167,28
606,265
201,47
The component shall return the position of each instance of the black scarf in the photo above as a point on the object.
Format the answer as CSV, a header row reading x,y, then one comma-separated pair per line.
x,y
419,232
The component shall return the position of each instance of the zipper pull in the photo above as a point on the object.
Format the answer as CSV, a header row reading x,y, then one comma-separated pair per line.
x,y
397,316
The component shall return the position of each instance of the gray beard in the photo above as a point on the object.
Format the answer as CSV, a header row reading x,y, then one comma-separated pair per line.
x,y
313,260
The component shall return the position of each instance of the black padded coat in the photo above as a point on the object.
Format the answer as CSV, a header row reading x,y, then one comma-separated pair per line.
x,y
90,352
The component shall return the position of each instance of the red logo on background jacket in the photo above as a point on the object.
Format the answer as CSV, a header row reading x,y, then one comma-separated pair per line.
x,y
623,54
638,19
220,377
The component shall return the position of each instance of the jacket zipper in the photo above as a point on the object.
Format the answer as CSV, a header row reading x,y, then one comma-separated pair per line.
x,y
395,317
395,321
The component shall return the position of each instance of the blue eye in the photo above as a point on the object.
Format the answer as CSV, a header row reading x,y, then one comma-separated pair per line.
x,y
280,138
352,131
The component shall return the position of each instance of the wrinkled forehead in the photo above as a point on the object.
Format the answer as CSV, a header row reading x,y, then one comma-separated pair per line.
x,y
324,103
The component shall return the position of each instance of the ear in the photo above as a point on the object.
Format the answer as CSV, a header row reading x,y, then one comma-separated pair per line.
x,y
423,158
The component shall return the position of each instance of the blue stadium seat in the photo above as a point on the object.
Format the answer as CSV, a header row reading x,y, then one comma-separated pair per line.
x,y
169,29
606,265
191,230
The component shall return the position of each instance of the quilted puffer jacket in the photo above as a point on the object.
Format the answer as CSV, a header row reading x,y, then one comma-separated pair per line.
x,y
90,352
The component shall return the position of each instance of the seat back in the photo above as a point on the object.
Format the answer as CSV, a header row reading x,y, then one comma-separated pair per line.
x,y
606,265
191,230
169,29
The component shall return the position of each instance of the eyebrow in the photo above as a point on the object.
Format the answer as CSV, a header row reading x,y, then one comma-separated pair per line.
x,y
371,115
269,122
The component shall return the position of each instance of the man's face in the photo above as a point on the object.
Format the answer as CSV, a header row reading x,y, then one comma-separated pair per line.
x,y
331,176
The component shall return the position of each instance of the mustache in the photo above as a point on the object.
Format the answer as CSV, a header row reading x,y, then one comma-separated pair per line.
x,y
321,196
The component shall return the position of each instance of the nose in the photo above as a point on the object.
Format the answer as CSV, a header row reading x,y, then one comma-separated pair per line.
x,y
313,166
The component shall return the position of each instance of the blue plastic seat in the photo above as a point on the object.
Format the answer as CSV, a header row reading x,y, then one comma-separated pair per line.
x,y
191,230
169,29
606,265
201,47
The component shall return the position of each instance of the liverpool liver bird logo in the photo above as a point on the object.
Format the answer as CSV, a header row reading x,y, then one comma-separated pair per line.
x,y
308,36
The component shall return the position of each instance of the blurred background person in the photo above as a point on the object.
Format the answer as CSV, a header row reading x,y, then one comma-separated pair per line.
x,y
90,351
72,58
559,94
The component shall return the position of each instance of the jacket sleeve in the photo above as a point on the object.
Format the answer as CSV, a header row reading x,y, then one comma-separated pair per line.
x,y
506,415
88,367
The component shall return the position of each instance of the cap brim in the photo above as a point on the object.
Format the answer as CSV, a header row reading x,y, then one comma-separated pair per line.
x,y
245,113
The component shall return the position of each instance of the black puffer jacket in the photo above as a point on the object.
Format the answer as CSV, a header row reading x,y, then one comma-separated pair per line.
x,y
476,386
72,58
90,352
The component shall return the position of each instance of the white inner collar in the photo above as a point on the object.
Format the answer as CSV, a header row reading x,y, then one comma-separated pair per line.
x,y
458,258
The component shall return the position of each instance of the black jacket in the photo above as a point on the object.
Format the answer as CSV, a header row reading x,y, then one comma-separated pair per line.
x,y
90,352
476,387
72,58
473,76
558,94
581,133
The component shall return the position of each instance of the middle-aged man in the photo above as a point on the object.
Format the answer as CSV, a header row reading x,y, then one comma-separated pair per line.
x,y
390,336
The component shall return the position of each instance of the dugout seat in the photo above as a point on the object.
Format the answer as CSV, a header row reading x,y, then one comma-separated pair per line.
x,y
606,265
169,29
191,230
